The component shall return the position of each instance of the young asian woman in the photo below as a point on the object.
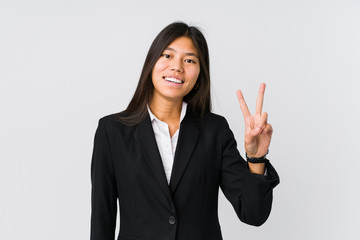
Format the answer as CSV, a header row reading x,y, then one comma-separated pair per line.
x,y
165,157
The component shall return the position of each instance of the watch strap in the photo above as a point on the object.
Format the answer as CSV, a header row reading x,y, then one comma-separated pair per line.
x,y
262,159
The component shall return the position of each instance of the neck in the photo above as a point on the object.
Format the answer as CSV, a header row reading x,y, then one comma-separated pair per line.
x,y
165,110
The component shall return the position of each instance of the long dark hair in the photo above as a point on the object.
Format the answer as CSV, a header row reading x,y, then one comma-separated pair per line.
x,y
198,99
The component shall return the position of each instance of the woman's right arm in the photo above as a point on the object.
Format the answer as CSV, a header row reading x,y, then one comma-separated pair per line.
x,y
104,193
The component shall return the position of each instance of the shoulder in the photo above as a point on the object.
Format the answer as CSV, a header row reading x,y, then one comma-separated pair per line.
x,y
213,118
111,118
113,121
212,122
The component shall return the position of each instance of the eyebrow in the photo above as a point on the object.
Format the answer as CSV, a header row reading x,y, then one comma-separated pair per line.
x,y
187,54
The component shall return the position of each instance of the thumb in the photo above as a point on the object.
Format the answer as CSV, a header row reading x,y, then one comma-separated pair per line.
x,y
255,131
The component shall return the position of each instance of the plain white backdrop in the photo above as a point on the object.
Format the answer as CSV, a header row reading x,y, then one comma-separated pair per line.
x,y
65,64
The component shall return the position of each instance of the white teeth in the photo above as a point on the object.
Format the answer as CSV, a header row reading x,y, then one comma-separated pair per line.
x,y
173,80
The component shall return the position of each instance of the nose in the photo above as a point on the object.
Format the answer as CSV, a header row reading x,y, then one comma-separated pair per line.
x,y
176,65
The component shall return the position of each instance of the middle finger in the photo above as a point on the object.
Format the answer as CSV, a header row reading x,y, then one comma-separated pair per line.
x,y
260,98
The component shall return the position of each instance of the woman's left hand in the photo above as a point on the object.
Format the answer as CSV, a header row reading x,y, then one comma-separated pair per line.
x,y
257,131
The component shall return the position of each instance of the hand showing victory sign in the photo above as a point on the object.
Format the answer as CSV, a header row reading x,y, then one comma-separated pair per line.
x,y
257,131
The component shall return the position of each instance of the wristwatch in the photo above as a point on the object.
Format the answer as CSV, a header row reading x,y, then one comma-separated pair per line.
x,y
257,160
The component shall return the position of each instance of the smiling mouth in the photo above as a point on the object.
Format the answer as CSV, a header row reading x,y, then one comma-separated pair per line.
x,y
174,80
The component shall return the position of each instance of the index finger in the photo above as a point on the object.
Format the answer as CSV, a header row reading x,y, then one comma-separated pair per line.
x,y
243,106
260,98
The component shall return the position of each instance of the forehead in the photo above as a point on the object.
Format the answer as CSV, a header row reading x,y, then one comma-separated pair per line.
x,y
182,45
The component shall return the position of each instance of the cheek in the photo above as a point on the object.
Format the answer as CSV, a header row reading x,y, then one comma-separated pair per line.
x,y
159,66
156,71
195,73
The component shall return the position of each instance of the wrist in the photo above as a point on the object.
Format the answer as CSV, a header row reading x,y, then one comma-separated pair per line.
x,y
258,168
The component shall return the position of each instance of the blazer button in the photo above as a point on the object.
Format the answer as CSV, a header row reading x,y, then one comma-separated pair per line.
x,y
172,220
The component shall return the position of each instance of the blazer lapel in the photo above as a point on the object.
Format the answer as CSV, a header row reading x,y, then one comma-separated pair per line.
x,y
145,138
188,137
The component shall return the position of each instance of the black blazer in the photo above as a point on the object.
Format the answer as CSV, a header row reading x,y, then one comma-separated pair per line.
x,y
126,165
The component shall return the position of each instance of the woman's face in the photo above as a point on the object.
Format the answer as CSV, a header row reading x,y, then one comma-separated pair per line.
x,y
176,71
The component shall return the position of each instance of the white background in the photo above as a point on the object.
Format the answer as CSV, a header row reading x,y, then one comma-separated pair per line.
x,y
65,64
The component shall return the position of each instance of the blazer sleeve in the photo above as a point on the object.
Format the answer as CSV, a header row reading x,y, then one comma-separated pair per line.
x,y
103,192
250,194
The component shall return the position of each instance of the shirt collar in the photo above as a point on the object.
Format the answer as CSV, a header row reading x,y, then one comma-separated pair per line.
x,y
182,114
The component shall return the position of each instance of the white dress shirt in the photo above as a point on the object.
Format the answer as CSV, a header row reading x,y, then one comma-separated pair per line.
x,y
166,144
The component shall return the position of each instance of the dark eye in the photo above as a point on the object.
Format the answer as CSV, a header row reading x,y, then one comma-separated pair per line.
x,y
189,61
166,55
